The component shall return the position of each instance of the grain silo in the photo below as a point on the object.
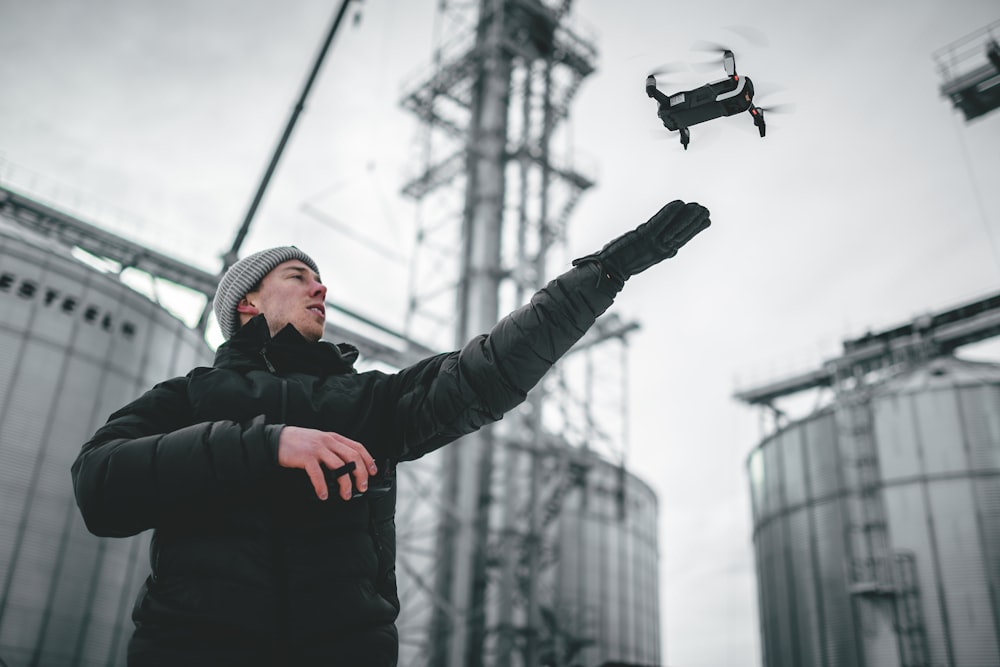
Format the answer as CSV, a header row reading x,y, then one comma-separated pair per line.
x,y
877,518
75,345
596,577
607,579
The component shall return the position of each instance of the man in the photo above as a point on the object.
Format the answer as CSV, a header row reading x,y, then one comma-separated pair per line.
x,y
255,560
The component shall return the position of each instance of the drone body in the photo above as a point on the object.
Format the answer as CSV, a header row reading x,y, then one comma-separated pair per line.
x,y
725,97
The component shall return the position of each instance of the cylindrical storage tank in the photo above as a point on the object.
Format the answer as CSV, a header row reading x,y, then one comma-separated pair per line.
x,y
596,579
877,525
606,575
75,345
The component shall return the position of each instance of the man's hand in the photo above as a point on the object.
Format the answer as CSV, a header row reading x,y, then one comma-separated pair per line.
x,y
311,450
651,242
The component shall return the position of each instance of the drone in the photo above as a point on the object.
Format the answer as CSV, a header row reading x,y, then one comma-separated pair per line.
x,y
725,97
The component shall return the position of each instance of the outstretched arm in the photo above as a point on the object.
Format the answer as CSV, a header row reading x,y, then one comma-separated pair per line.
x,y
451,395
650,243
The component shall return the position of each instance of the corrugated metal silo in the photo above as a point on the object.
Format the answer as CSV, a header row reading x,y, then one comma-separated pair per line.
x,y
606,580
598,580
877,525
75,345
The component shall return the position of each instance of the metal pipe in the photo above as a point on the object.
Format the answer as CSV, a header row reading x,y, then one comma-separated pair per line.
x,y
230,257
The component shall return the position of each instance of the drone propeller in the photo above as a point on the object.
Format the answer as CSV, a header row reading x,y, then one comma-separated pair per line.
x,y
751,36
725,60
668,68
777,108
772,107
714,47
760,114
711,47
747,35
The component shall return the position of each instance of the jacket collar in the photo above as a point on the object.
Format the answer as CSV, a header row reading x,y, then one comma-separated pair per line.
x,y
252,347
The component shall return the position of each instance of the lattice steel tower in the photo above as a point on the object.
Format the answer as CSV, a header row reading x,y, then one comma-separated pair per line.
x,y
494,196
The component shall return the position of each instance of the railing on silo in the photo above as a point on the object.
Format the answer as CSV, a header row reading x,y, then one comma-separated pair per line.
x,y
970,71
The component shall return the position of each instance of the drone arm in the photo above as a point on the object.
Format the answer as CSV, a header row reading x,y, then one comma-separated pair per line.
x,y
652,92
758,119
729,62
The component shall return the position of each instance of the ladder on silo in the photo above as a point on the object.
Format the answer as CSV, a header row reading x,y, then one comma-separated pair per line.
x,y
909,615
873,568
869,565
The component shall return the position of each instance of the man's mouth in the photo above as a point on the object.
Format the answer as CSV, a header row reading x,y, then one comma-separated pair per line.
x,y
319,310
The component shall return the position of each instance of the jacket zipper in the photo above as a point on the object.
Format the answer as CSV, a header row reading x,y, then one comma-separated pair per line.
x,y
282,643
270,366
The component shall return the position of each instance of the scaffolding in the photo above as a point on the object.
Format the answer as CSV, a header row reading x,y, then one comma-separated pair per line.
x,y
493,198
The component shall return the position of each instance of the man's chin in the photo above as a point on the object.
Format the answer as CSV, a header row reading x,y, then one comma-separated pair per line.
x,y
312,333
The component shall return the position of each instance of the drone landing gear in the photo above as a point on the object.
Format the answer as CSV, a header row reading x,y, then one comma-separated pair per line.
x,y
685,137
758,119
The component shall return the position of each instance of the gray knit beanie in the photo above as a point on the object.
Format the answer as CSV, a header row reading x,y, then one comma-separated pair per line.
x,y
243,276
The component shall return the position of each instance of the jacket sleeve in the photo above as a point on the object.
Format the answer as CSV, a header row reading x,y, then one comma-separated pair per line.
x,y
148,459
450,395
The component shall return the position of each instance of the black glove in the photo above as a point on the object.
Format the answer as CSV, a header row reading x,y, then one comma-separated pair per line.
x,y
651,242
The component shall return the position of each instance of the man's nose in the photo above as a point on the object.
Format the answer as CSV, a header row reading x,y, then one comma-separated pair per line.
x,y
319,289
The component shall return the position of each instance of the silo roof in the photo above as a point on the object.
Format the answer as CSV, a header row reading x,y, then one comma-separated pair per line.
x,y
943,372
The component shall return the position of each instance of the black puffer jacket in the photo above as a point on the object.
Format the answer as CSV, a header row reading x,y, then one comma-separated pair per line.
x,y
242,547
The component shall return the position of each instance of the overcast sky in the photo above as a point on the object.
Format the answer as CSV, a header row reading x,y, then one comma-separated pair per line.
x,y
872,203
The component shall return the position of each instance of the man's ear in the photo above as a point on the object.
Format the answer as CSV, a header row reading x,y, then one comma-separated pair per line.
x,y
247,308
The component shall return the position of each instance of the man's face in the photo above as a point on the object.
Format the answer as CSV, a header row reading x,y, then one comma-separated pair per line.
x,y
290,294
